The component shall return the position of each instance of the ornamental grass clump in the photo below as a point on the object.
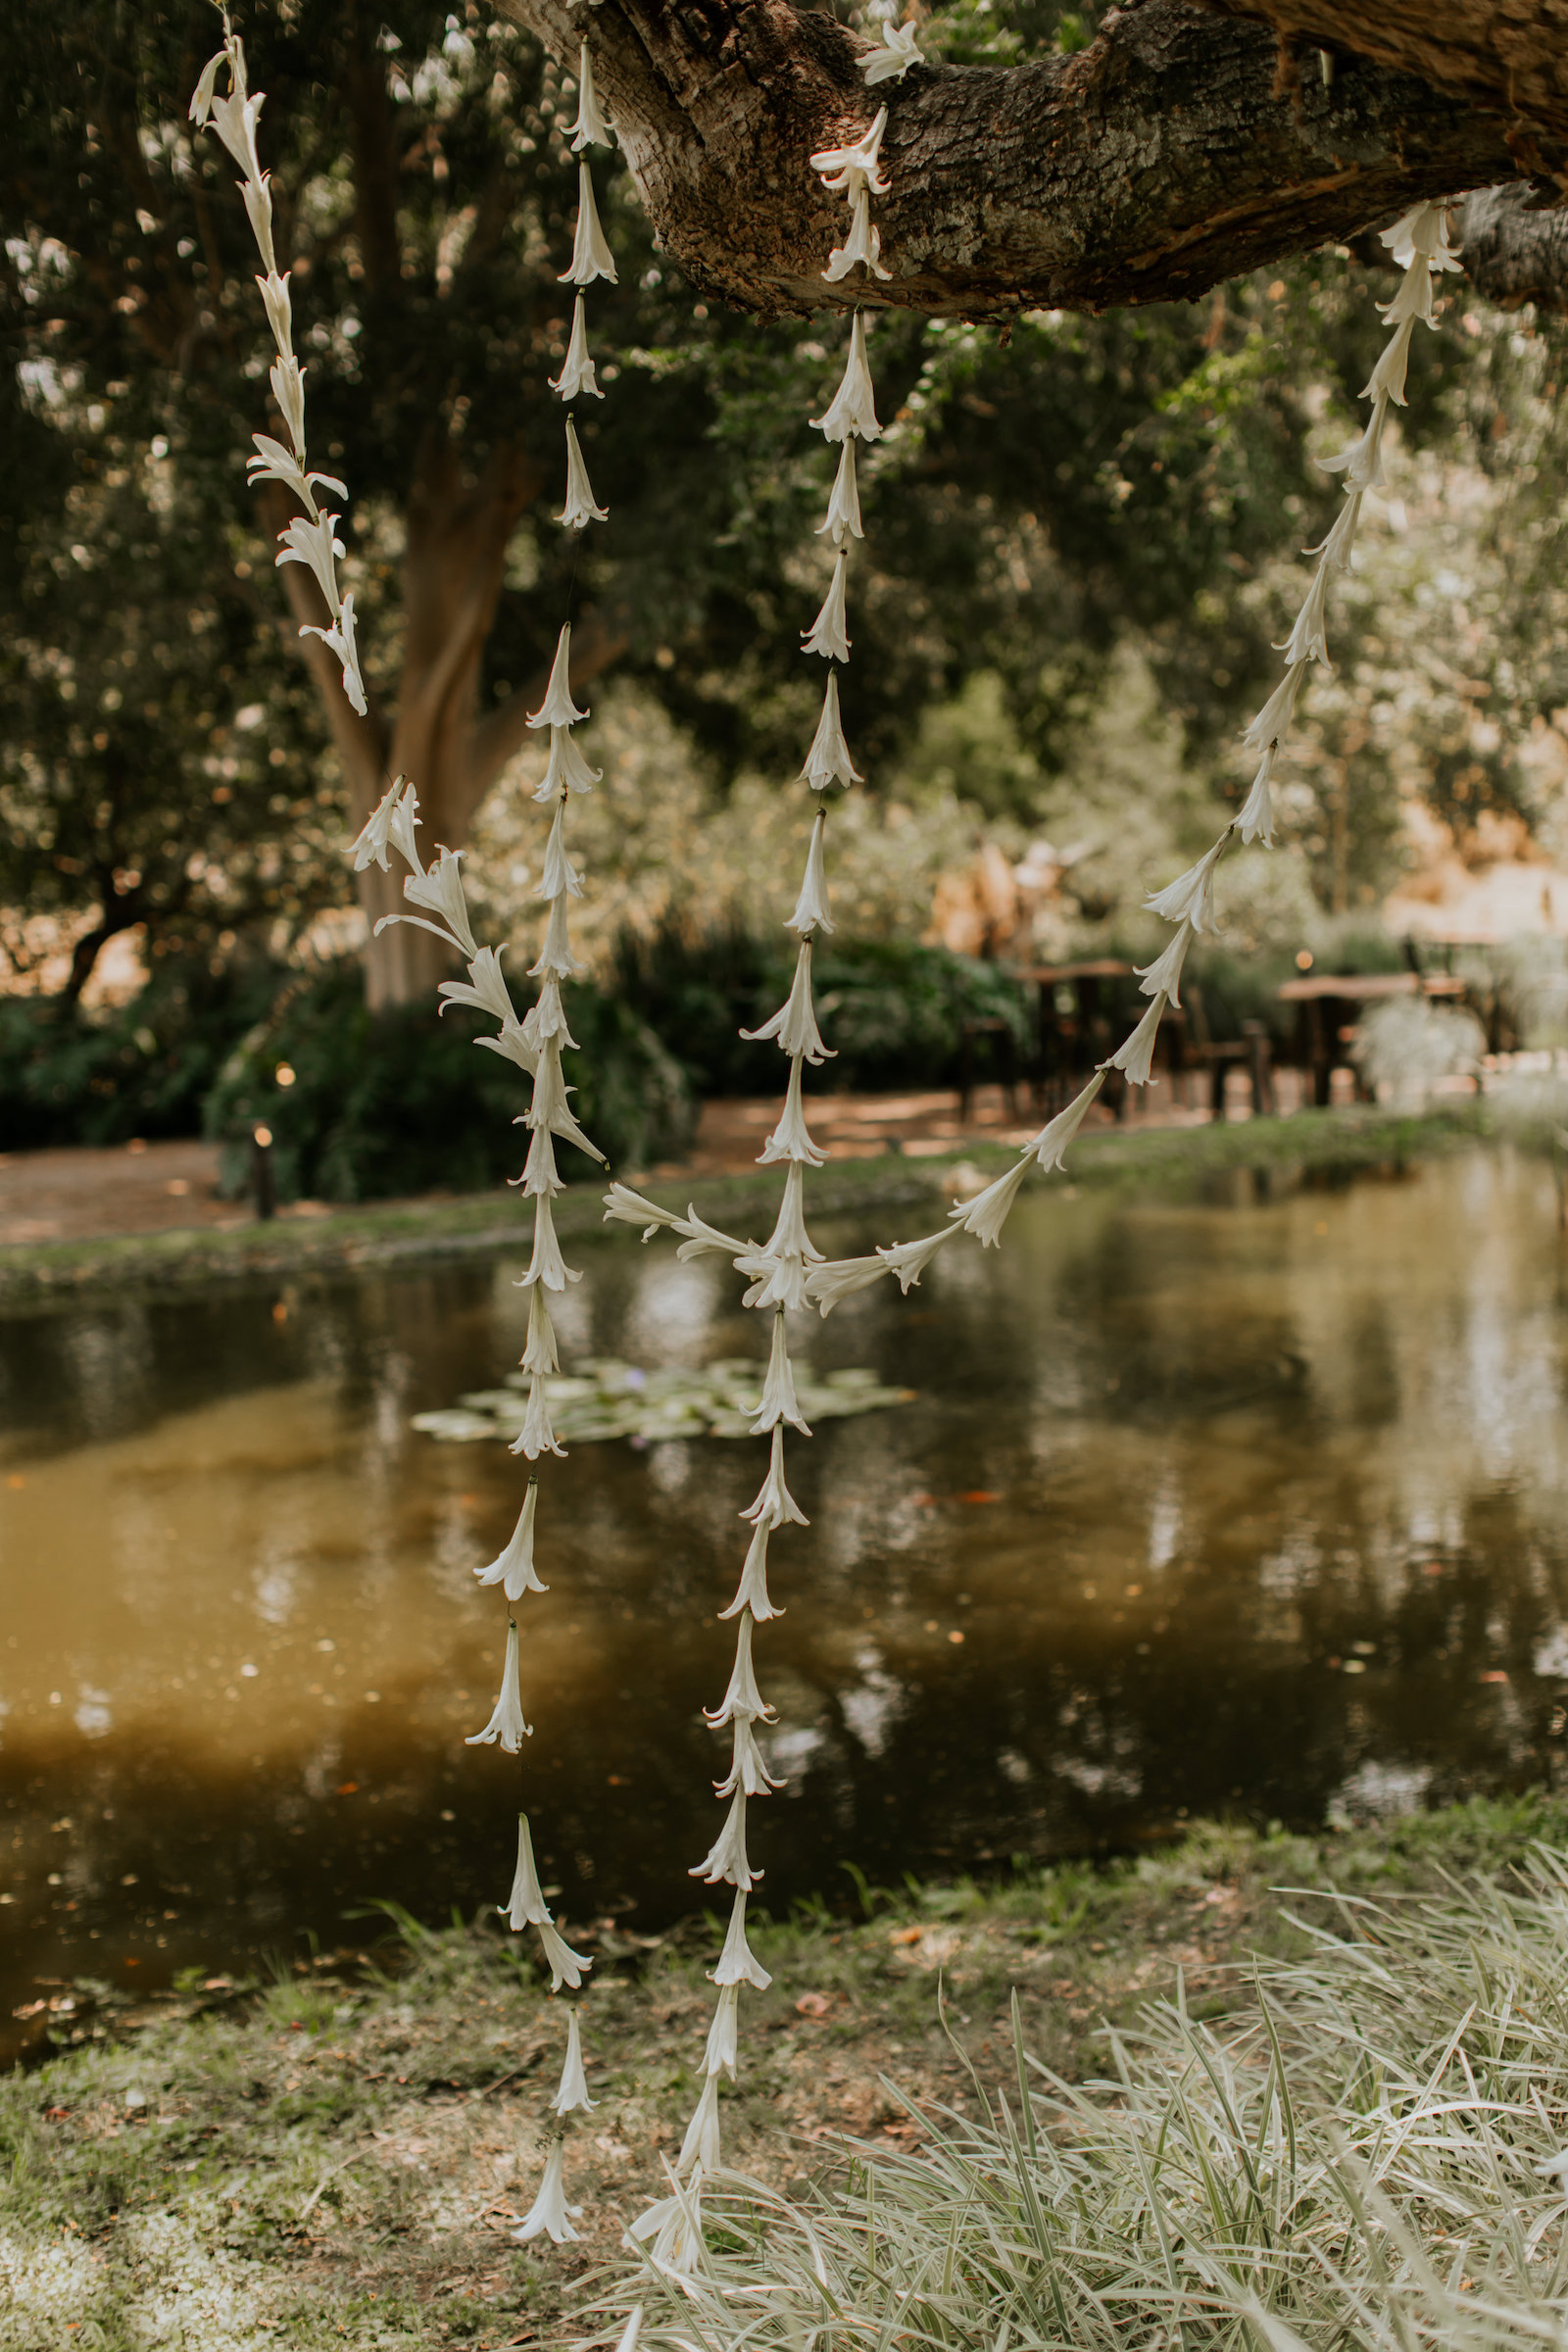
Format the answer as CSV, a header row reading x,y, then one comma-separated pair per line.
x,y
1367,2152
438,903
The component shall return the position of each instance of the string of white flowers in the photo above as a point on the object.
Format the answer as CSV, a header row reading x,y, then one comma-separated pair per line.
x,y
537,1041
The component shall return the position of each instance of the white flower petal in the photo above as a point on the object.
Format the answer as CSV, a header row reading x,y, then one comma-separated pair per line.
x,y
506,1724
549,2212
514,1569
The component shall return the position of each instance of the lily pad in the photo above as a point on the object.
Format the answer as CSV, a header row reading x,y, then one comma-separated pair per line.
x,y
604,1397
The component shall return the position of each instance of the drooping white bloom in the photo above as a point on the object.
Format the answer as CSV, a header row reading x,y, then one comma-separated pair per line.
x,y
201,100
705,1241
560,875
987,1213
624,1206
673,2228
1424,230
555,955
827,634
314,545
736,1965
376,833
1335,548
405,817
751,1591
568,770
573,2091
777,1271
565,1965
512,1046
845,169
579,510
862,246
278,302
909,1260
537,1435
550,1091
577,378
720,2056
591,256
791,1139
1163,977
1308,639
558,710
742,1697
826,763
485,990
526,1905
590,128
547,1018
843,518
748,1769
257,199
892,61
549,2212
853,407
547,1265
811,907
775,1505
1257,820
793,1025
1413,299
506,1724
275,464
539,1175
1386,379
726,1860
699,2149
1273,722
1134,1055
779,1401
234,118
441,890
539,1352
1189,898
339,640
1362,462
514,1569
1051,1144
840,1277
288,380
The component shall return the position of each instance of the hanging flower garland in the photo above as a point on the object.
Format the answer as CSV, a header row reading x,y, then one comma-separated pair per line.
x,y
537,1041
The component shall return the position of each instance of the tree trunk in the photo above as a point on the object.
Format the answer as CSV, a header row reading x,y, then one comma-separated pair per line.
x,y
1184,146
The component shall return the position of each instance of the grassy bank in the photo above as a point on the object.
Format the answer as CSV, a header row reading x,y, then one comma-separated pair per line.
x,y
1168,1157
337,2158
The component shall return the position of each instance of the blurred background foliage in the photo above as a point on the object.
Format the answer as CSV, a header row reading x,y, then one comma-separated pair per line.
x,y
1081,546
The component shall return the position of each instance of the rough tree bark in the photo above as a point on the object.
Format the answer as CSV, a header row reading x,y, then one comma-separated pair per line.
x,y
1186,145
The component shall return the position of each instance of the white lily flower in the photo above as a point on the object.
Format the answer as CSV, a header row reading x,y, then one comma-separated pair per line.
x,y
853,407
775,1505
288,380
200,102
514,1569
1163,977
512,1046
278,302
1134,1055
843,518
401,825
234,118
748,1769
811,907
558,710
839,1278
573,2091
892,61
779,1401
485,990
1386,379
791,1139
547,1019
828,760
375,834
549,2212
704,1241
909,1260
1424,230
1362,462
506,1724
537,1435
539,1350
1413,299
550,1088
1335,548
777,1271
579,510
1051,1144
591,256
340,641
742,1696
568,770
526,1905
1189,898
793,1025
737,1964
624,1206
1273,722
258,197
720,2054
314,545
862,246
560,877
827,633
565,1965
589,129
1308,638
672,2230
699,2149
555,955
275,464
540,1176
844,169
441,890
987,1213
1257,820
576,380
547,1265
726,1861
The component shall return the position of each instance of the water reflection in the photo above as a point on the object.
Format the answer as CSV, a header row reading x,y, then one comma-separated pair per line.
x,y
1251,1504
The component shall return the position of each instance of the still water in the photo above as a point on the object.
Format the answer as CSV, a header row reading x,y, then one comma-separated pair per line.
x,y
1249,1504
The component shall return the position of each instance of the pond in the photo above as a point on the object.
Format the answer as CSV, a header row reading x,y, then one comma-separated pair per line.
x,y
1246,1505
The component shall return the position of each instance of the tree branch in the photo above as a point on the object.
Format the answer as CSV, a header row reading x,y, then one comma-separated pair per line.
x,y
1169,154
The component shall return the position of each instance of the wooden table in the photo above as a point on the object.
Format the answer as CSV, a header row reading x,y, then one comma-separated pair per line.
x,y
1329,1005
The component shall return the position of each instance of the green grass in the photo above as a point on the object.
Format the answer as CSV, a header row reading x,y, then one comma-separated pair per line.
x,y
337,2157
